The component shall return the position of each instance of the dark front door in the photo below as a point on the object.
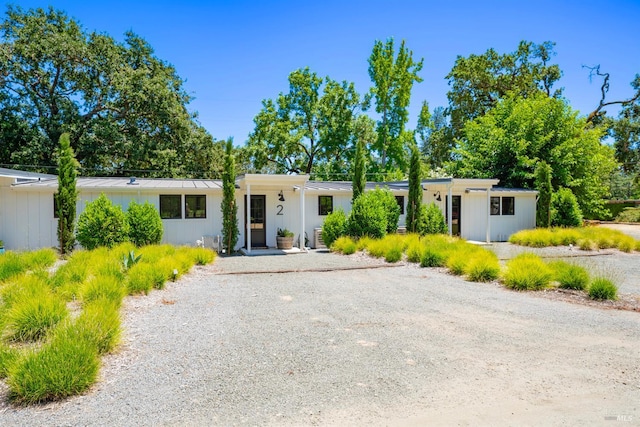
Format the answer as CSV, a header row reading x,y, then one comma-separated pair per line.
x,y
258,221
455,214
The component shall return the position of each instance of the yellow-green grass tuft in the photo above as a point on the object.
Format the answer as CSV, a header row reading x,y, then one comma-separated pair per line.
x,y
527,272
344,245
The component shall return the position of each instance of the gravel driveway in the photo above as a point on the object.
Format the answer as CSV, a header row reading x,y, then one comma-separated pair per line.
x,y
367,343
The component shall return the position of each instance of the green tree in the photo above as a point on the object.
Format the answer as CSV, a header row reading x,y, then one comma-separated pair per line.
x,y
414,201
123,108
479,82
436,141
229,206
626,135
565,211
66,196
359,171
508,142
393,76
102,224
310,124
144,224
545,191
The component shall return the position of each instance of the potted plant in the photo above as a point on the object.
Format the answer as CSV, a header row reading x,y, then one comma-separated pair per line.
x,y
284,239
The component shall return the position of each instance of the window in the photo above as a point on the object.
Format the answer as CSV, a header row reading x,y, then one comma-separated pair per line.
x,y
195,206
508,205
400,200
325,205
495,206
170,206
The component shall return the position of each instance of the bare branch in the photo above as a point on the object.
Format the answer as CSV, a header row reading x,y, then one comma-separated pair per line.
x,y
595,71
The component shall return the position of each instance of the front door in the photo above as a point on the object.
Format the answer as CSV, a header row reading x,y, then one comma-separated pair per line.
x,y
258,221
456,202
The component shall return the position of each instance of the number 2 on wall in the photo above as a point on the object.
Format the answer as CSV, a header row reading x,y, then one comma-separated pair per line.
x,y
279,207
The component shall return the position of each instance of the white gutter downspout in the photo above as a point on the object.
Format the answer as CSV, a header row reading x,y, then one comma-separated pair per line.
x,y
489,215
302,224
248,208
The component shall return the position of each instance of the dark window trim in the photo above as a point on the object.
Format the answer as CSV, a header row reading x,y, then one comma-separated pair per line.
x,y
321,211
172,196
203,207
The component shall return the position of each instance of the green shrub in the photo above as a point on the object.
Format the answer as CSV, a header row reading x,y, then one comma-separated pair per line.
x,y
527,272
334,226
629,215
32,316
393,254
11,264
483,266
344,245
414,251
370,214
66,365
432,257
432,221
101,224
603,289
104,287
202,256
42,258
100,321
144,224
565,211
570,276
141,278
8,357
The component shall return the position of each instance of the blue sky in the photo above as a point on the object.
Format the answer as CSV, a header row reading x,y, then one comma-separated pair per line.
x,y
233,54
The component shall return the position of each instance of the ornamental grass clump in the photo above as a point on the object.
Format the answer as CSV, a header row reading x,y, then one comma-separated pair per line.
x,y
40,259
103,287
569,275
432,256
141,278
203,256
32,316
344,245
483,266
603,288
64,366
8,357
100,321
11,264
414,251
527,272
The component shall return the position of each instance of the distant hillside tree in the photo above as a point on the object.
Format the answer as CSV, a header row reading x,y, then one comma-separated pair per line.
x,y
414,201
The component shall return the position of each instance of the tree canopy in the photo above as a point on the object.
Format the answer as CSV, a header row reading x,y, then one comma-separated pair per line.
x,y
508,142
124,108
478,82
310,124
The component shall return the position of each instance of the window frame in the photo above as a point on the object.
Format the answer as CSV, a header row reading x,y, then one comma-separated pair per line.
x,y
161,202
322,209
508,209
201,206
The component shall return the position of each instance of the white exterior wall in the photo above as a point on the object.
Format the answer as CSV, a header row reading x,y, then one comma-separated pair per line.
x,y
26,219
341,200
503,226
474,216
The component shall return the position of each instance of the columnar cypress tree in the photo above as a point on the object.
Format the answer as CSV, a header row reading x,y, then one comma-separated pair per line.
x,y
414,202
359,175
67,195
543,185
229,207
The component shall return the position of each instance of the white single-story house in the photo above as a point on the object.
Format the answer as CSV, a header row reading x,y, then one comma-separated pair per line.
x,y
475,209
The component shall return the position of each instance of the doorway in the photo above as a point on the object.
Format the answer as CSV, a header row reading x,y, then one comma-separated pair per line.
x,y
456,202
258,221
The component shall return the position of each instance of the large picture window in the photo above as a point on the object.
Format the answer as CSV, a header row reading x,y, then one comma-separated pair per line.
x,y
325,205
195,206
170,206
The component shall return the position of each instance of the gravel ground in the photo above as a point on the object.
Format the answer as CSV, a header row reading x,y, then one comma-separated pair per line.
x,y
366,343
